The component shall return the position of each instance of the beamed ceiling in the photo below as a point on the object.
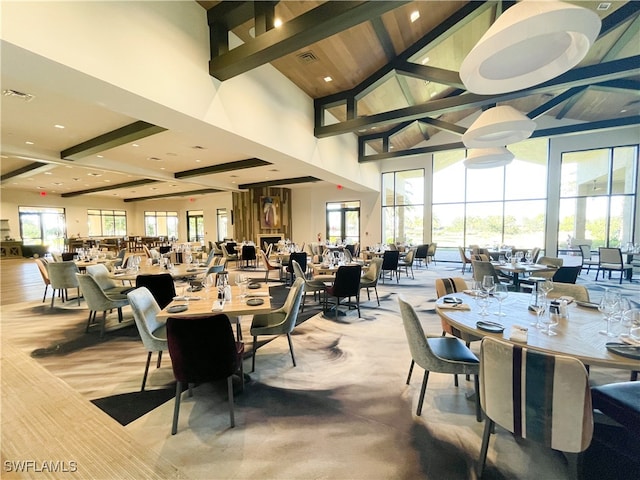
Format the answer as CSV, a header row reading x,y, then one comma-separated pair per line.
x,y
394,84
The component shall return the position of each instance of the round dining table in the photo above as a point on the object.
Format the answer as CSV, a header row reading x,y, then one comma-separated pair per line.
x,y
578,337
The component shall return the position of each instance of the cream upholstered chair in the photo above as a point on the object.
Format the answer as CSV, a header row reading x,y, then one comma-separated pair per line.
x,y
465,260
310,285
431,253
436,354
610,260
63,276
280,321
587,260
406,263
577,292
542,397
42,268
152,332
228,257
98,301
100,274
371,276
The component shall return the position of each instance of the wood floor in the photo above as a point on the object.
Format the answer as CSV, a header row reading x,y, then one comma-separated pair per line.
x,y
21,281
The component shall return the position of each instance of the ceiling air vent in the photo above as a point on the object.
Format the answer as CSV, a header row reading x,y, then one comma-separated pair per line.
x,y
27,97
307,57
604,6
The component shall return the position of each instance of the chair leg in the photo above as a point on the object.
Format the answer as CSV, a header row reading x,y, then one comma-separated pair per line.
x,y
476,381
44,297
293,358
53,295
91,314
358,303
232,417
176,408
104,323
488,427
422,392
410,372
146,371
253,359
159,359
377,298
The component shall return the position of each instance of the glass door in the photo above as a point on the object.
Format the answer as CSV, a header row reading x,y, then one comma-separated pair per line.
x,y
195,226
43,226
343,222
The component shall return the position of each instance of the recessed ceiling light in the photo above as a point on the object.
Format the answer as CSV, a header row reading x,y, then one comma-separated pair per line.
x,y
328,79
274,170
115,194
198,160
604,6
135,145
107,181
277,23
162,168
59,126
425,60
171,154
40,187
29,142
57,183
99,156
198,147
48,173
233,176
415,15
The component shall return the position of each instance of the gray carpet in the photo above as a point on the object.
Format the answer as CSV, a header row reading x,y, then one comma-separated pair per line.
x,y
343,413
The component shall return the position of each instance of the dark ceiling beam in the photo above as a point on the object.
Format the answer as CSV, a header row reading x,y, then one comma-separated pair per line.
x,y
574,78
629,10
383,37
322,22
223,167
431,74
569,94
547,132
135,183
275,183
115,138
446,126
204,191
624,84
22,170
231,14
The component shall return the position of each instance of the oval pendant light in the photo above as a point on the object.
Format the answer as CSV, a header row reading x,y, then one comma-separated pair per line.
x,y
497,127
488,157
530,43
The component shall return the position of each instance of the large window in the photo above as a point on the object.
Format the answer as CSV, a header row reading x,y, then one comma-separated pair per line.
x,y
222,222
343,222
107,223
43,226
493,206
161,224
403,206
195,225
598,195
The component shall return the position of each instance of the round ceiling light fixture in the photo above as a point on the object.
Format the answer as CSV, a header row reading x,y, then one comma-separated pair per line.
x,y
530,43
498,126
488,157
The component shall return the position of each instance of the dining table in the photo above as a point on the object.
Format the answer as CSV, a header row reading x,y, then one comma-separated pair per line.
x,y
181,270
517,269
578,336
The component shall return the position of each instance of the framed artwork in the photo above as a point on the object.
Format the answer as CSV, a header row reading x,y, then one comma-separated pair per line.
x,y
270,212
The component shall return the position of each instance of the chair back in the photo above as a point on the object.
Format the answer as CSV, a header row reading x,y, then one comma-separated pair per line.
x,y
347,282
265,260
610,255
67,256
421,251
348,257
535,253
567,274
301,258
585,251
447,286
100,274
202,349
463,255
393,247
390,260
161,287
248,252
408,258
432,249
297,270
550,261
63,275
145,309
373,272
419,347
42,268
542,397
482,268
96,299
292,304
577,292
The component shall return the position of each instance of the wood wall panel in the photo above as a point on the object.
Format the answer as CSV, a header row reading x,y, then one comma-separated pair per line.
x,y
247,210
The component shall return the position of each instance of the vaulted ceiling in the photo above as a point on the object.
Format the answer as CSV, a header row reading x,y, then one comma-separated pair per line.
x,y
394,84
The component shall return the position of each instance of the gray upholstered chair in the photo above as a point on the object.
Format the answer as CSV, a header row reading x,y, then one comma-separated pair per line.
x,y
436,354
587,260
152,332
100,274
310,285
98,301
371,276
63,276
119,260
228,257
42,268
482,268
280,321
406,263
542,397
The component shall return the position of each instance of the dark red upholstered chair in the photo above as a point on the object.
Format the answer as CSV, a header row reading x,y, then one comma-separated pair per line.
x,y
202,350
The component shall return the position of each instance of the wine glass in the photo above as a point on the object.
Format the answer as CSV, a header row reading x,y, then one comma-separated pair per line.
x,y
546,286
508,254
500,294
481,297
537,304
488,284
527,256
631,320
607,307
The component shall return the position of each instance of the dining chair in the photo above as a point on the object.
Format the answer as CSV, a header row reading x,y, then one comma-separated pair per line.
x,y
301,258
587,257
63,276
42,268
436,354
228,257
161,286
483,268
449,286
248,256
421,254
610,260
100,274
269,267
203,349
370,277
280,321
317,286
390,259
406,263
541,397
566,274
577,292
346,285
152,332
98,301
463,257
431,253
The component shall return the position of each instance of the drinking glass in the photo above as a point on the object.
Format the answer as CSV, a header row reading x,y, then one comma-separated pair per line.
x,y
508,254
481,297
550,318
527,256
631,320
488,284
537,304
608,306
500,294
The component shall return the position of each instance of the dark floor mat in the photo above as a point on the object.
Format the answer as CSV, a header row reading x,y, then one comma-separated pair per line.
x,y
127,407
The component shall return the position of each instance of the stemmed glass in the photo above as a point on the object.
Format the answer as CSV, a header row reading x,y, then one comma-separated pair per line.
x,y
538,304
500,294
488,284
546,286
608,306
481,297
508,255
631,320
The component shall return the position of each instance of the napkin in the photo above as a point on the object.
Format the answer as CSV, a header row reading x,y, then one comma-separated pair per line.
x,y
186,298
217,306
470,292
630,341
519,333
257,294
454,306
